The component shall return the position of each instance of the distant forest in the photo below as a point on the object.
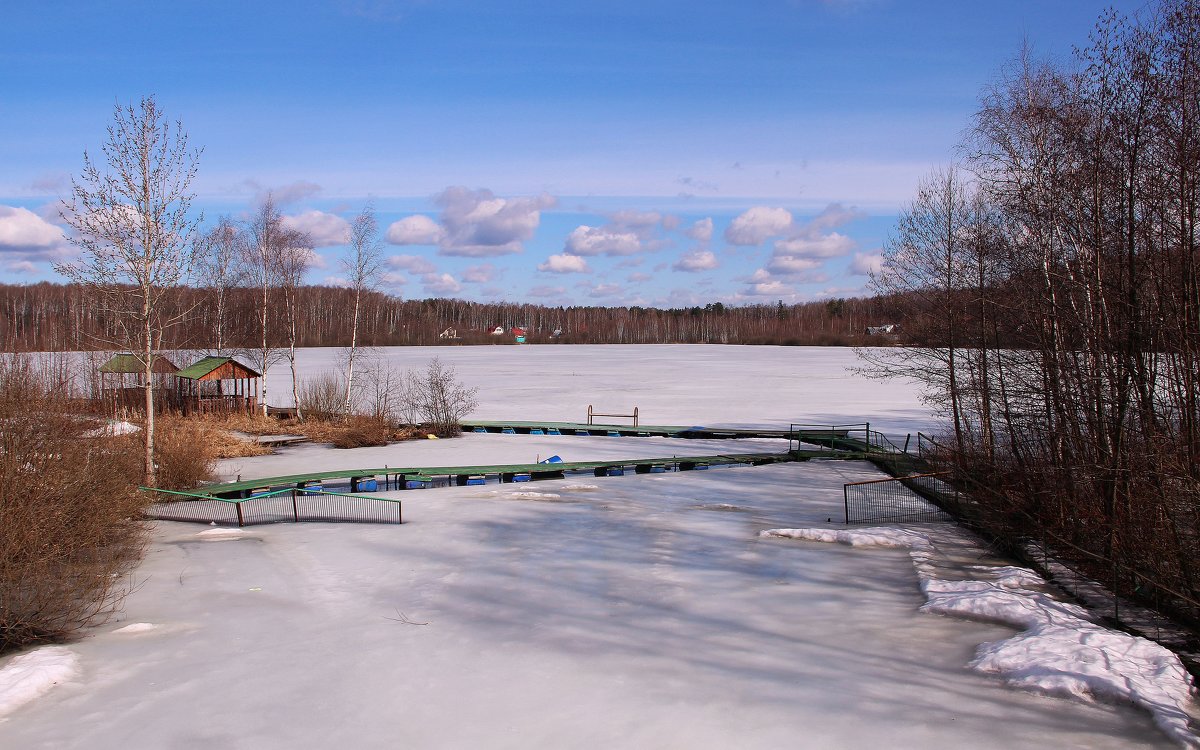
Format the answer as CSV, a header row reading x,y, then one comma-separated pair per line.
x,y
64,317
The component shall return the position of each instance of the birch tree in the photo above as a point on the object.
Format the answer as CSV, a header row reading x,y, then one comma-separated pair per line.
x,y
362,267
130,212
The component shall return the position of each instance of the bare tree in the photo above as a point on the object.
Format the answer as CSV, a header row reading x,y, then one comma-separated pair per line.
x,y
267,237
292,259
362,268
132,224
220,267
440,398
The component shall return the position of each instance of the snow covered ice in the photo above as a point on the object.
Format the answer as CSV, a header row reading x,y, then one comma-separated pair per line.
x,y
638,611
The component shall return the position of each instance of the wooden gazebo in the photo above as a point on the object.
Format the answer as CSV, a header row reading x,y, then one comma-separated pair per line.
x,y
216,384
122,382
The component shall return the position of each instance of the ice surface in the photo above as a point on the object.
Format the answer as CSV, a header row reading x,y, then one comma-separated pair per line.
x,y
643,614
1059,651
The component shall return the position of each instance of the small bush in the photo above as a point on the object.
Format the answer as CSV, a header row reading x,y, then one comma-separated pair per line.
x,y
70,514
185,452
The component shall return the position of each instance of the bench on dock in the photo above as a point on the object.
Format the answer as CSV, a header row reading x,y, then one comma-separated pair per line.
x,y
633,416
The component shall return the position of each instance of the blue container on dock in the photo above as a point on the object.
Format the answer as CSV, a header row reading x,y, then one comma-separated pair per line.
x,y
418,484
366,485
554,431
508,431
521,477
614,433
475,481
311,489
701,467
536,431
480,429
615,471
658,469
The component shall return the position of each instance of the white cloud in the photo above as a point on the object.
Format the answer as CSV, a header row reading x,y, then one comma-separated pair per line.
x,y
822,246
394,279
791,265
337,281
769,289
24,232
638,278
865,264
564,263
414,264
701,231
601,291
322,228
585,240
755,225
481,274
477,224
696,260
440,284
833,216
415,230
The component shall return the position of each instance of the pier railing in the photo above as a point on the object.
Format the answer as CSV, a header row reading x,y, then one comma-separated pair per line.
x,y
278,506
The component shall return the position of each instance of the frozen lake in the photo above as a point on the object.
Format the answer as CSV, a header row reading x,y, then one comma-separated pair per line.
x,y
640,611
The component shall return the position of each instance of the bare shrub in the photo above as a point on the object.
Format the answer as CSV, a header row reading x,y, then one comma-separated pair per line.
x,y
440,398
71,514
185,452
323,397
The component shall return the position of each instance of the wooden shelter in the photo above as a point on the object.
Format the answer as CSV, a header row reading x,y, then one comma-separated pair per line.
x,y
216,384
122,382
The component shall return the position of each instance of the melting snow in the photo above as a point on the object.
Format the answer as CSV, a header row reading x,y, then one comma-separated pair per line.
x,y
1059,651
30,675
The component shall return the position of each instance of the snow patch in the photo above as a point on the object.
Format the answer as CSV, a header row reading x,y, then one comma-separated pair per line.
x,y
581,487
31,675
113,428
534,495
136,627
1059,652
220,534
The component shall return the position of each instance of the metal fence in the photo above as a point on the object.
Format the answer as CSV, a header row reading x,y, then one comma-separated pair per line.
x,y
899,500
280,506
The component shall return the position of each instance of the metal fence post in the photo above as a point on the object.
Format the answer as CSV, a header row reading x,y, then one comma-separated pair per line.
x,y
295,508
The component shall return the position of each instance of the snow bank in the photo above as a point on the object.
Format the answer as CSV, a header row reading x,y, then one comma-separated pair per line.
x,y
30,675
1059,652
219,534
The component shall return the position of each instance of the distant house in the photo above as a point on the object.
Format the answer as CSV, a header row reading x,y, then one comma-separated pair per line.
x,y
519,334
122,382
887,329
450,334
217,384
498,331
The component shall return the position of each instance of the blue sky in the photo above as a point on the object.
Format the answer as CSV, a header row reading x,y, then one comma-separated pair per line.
x,y
652,152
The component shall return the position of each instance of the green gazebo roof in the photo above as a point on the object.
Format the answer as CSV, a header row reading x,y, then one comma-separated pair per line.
x,y
130,364
209,365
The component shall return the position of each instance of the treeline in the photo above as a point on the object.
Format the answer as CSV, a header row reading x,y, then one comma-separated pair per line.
x,y
1054,278
66,317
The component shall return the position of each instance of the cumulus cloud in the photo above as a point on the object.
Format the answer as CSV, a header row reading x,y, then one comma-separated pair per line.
x,y
865,264
791,265
585,240
754,225
768,288
701,231
481,274
322,228
414,264
821,246
833,216
603,291
696,260
415,230
24,233
479,224
440,284
564,263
